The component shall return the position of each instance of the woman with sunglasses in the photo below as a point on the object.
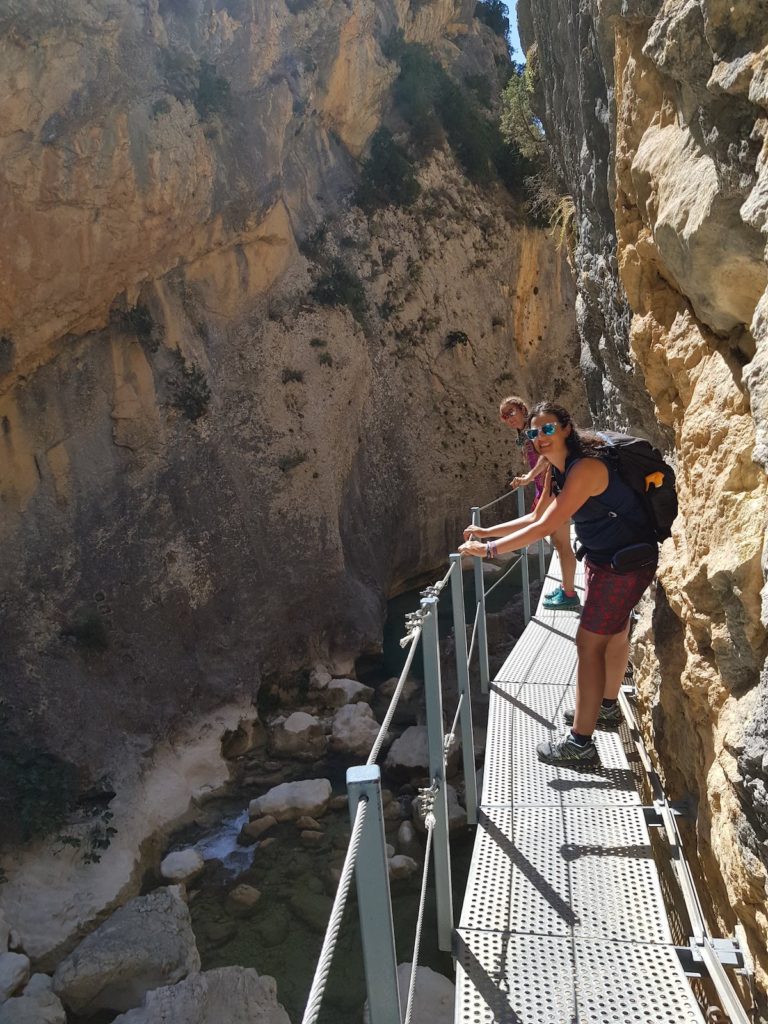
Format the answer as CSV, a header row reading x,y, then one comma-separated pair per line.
x,y
610,523
514,413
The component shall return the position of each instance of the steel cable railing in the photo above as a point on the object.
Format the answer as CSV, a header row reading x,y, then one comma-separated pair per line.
x,y
429,823
323,968
415,636
512,565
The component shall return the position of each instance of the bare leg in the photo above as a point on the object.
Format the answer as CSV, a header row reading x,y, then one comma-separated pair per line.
x,y
616,658
590,679
561,539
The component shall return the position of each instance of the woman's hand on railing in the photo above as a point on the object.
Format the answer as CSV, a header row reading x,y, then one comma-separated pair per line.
x,y
474,531
473,547
519,481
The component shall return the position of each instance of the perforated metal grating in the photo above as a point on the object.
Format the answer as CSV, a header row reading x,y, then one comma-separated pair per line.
x,y
522,715
545,979
563,918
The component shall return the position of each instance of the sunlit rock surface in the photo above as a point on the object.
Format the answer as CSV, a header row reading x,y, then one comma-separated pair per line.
x,y
659,117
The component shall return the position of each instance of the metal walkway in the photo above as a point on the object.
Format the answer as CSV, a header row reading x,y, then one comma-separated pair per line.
x,y
563,920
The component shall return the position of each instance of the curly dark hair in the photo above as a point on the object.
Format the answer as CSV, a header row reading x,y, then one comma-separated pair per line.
x,y
579,442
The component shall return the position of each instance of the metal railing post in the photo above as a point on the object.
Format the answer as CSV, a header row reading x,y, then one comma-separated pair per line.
x,y
482,633
436,743
374,901
462,673
542,561
526,580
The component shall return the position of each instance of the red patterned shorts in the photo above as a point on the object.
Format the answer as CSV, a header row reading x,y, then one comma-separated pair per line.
x,y
611,596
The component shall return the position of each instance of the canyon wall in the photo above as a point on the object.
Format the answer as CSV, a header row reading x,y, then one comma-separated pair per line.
x,y
236,411
658,114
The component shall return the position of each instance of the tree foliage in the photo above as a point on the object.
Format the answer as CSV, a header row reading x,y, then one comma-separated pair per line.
x,y
519,125
494,14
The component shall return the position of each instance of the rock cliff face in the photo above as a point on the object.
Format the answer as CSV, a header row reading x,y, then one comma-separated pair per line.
x,y
236,413
658,112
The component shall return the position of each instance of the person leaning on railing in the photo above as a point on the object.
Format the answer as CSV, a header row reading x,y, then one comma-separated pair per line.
x,y
513,412
613,528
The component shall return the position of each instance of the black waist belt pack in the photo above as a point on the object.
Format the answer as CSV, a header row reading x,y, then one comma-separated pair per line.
x,y
636,556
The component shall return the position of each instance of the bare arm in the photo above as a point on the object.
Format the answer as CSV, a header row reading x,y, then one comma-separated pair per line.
x,y
528,478
504,529
588,478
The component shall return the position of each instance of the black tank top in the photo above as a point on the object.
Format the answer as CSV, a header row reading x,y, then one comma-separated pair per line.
x,y
609,521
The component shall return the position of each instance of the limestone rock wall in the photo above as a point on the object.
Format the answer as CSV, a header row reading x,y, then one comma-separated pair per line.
x,y
660,117
207,476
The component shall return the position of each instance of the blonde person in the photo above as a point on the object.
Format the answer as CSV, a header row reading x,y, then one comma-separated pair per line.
x,y
514,413
613,527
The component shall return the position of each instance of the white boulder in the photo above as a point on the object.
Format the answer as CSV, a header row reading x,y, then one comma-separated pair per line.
x,y
319,677
181,865
234,995
293,800
299,735
346,691
33,1008
243,898
14,971
433,998
387,689
354,730
401,866
409,754
145,944
408,842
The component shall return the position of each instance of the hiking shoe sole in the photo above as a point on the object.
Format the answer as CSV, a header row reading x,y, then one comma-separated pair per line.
x,y
567,752
606,718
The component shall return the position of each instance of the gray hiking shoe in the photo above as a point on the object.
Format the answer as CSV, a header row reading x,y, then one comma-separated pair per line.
x,y
566,751
606,717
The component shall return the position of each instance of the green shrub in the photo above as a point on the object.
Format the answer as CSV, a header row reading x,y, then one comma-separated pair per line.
x,y
340,286
292,375
313,245
455,338
387,177
298,6
318,342
325,359
39,791
288,462
213,93
494,14
481,87
191,393
436,108
160,108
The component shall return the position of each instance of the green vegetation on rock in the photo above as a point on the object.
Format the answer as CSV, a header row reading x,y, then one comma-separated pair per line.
x,y
494,14
387,176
